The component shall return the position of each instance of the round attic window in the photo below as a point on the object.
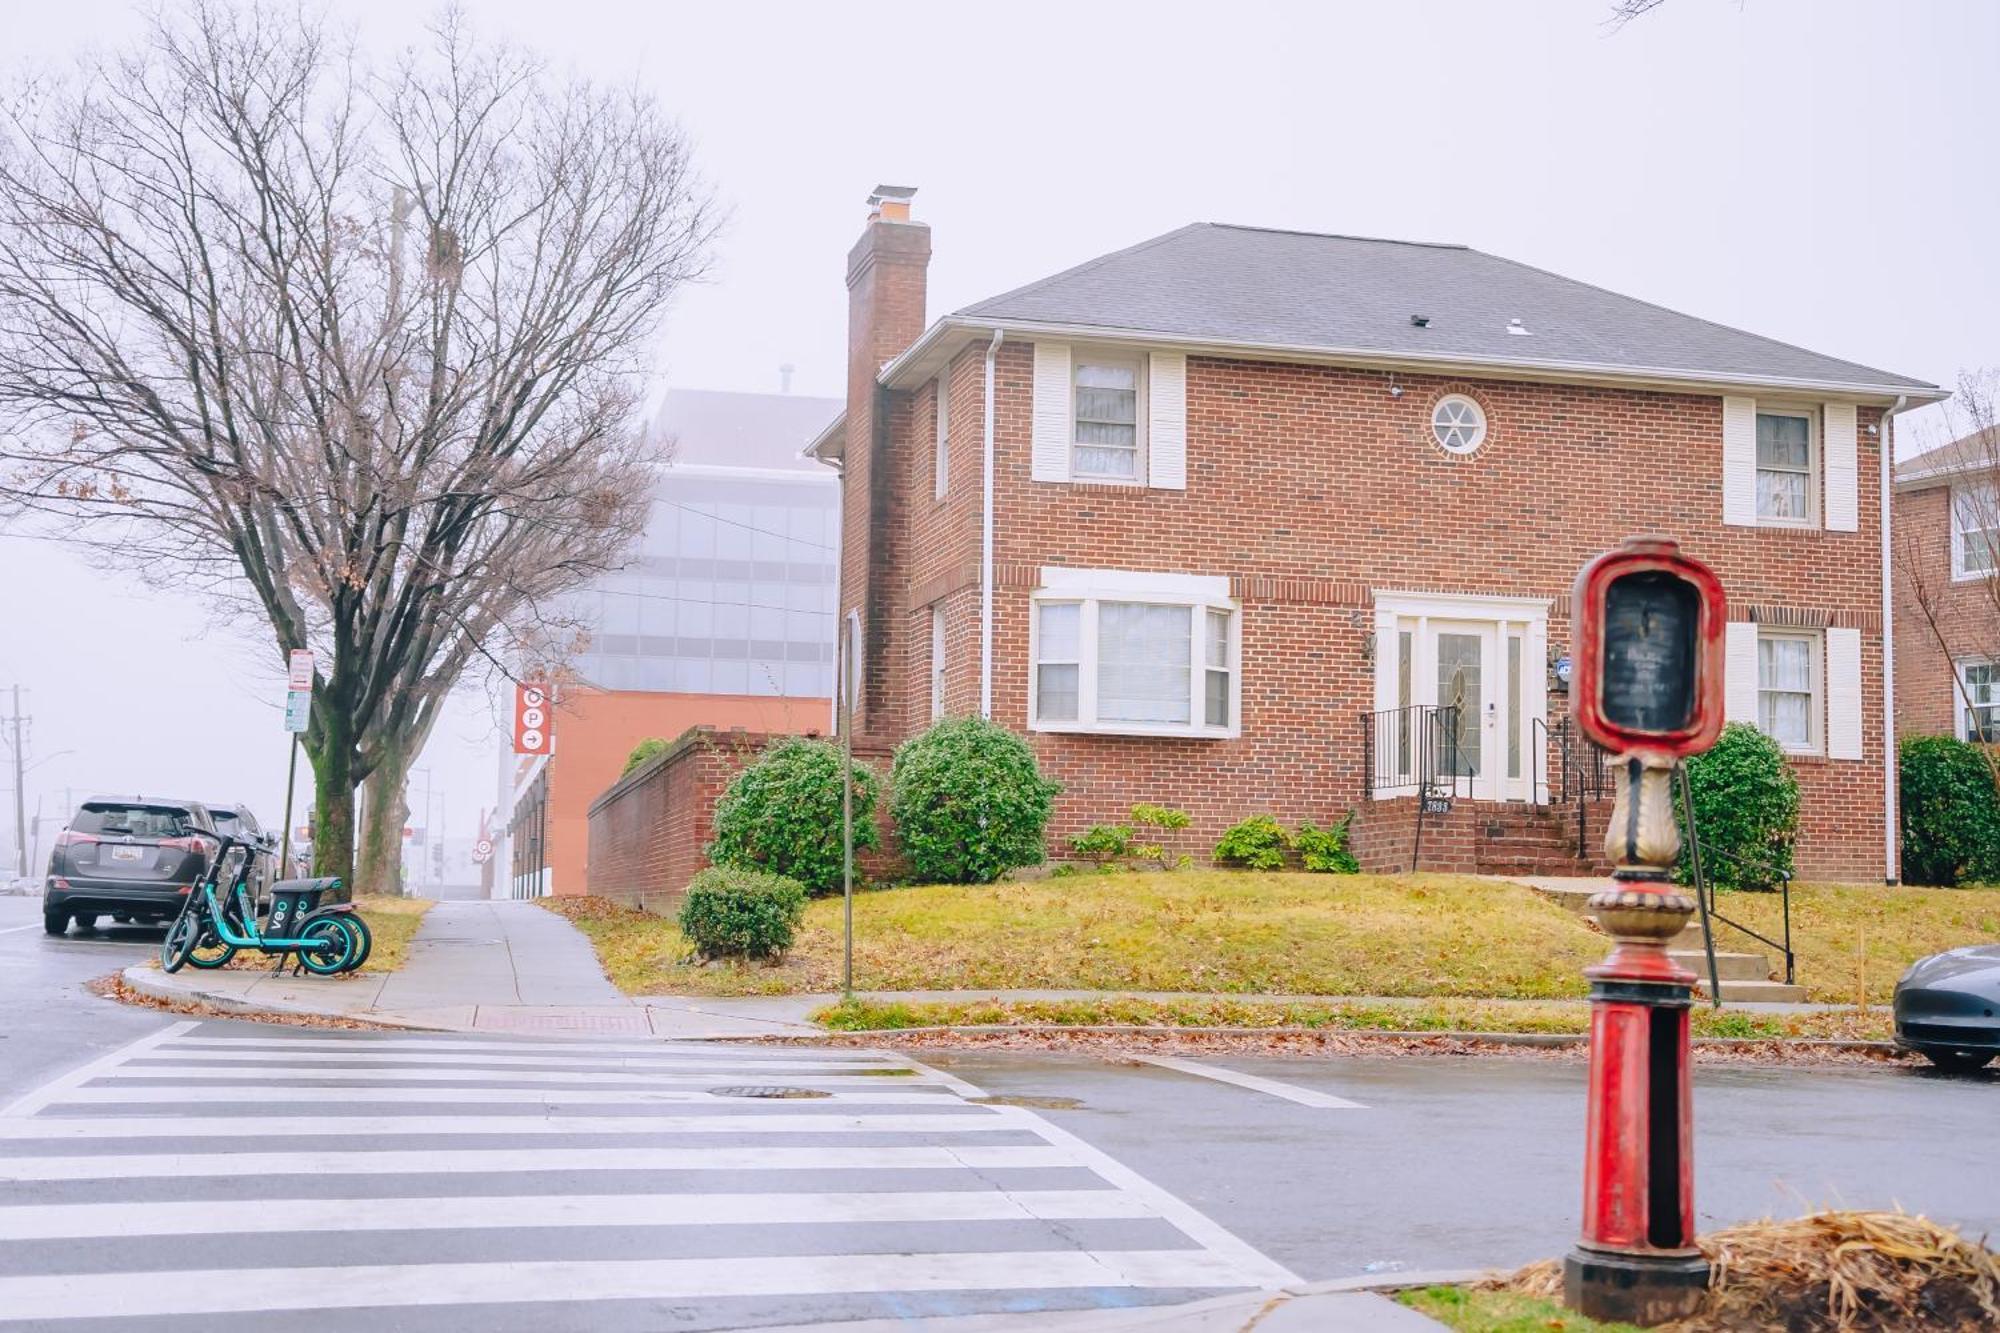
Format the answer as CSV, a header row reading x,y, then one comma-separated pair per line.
x,y
1458,424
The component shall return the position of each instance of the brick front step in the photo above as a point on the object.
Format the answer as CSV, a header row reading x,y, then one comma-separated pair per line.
x,y
1729,966
1755,992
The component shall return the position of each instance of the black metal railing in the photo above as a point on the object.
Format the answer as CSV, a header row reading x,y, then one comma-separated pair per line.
x,y
1759,872
1418,749
1579,777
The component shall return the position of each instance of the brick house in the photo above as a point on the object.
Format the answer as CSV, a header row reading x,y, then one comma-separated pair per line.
x,y
1947,633
1241,521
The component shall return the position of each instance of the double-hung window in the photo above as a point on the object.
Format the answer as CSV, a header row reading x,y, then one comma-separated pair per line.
x,y
1785,492
1788,690
1132,653
1105,438
1975,531
1979,702
941,448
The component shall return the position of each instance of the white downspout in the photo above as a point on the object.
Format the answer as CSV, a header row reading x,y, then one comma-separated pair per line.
x,y
1889,794
986,541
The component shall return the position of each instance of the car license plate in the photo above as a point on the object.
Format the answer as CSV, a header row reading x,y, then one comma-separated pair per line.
x,y
128,853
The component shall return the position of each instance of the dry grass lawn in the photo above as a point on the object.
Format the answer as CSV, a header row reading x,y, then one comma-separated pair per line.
x,y
1853,941
392,921
1191,931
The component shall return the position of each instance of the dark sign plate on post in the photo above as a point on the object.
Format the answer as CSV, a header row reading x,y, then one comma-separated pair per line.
x,y
1650,625
1437,805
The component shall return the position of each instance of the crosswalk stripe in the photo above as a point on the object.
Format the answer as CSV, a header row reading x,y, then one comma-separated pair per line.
x,y
127,1166
57,1089
248,1290
704,1077
569,1046
261,1216
134,1093
985,1120
717,1060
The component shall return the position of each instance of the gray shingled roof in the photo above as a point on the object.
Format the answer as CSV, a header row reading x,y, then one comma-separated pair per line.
x,y
1975,453
1249,285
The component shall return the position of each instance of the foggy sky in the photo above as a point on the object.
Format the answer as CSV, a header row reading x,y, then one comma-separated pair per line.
x,y
1819,172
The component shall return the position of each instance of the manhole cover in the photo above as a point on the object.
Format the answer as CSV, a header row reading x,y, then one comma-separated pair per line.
x,y
1032,1103
768,1092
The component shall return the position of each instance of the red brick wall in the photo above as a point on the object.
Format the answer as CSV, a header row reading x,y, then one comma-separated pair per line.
x,y
648,831
1309,487
1927,698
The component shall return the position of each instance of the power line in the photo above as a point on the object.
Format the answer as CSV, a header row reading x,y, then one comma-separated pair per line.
x,y
748,527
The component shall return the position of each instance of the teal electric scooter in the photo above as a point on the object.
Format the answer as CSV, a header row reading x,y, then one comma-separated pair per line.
x,y
215,922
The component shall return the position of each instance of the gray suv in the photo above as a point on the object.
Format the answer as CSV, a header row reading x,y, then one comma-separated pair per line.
x,y
133,857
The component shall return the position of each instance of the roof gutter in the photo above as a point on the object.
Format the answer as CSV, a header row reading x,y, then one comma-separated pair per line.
x,y
1886,449
1587,371
986,541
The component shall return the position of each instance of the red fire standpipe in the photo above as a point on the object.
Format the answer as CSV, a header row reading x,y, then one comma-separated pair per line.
x,y
1649,689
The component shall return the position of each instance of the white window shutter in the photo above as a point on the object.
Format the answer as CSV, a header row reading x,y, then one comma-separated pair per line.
x,y
1843,693
1843,503
1739,672
1051,432
1166,421
1739,461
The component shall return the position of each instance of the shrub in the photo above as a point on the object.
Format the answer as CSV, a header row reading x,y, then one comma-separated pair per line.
x,y
1258,843
1951,813
969,802
1325,850
741,913
782,815
1160,817
1105,844
1746,804
641,752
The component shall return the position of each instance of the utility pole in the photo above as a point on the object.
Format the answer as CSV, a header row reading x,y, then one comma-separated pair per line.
x,y
20,792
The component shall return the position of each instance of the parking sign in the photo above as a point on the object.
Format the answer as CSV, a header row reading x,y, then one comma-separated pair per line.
x,y
532,720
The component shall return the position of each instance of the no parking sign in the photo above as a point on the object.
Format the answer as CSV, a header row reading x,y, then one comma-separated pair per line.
x,y
532,720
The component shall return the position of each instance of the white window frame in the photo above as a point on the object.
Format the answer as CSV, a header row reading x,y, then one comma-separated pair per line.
x,y
1136,362
1815,642
1981,494
1815,463
1961,690
937,663
941,448
1479,421
1088,590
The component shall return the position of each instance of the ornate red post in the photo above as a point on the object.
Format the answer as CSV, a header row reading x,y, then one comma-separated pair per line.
x,y
1649,688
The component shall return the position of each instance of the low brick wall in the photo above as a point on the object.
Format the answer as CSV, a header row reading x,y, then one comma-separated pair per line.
x,y
647,831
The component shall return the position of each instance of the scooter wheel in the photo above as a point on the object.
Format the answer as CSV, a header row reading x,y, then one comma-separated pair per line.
x,y
179,945
210,949
364,938
328,948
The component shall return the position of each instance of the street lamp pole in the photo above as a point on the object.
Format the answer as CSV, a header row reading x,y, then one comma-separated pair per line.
x,y
20,793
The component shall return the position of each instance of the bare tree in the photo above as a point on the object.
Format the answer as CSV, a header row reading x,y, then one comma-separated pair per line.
x,y
356,345
1624,11
1960,612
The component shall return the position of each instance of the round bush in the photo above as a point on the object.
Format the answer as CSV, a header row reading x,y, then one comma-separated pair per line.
x,y
641,752
1951,813
969,803
1257,843
1746,803
741,913
782,815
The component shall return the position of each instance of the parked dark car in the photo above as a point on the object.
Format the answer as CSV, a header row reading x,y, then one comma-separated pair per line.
x,y
233,819
133,857
1948,1007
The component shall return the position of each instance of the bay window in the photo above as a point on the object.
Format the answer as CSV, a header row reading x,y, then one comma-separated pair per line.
x,y
1143,654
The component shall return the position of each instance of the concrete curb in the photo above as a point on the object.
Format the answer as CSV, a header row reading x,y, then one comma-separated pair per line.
x,y
153,984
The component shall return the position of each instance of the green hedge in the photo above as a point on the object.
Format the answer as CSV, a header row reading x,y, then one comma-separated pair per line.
x,y
643,751
741,913
1746,803
969,802
1951,813
782,815
1257,843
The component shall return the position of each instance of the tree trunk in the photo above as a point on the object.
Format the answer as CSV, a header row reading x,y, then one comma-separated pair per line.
x,y
333,802
379,867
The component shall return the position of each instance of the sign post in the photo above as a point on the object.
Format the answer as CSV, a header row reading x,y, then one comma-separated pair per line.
x,y
1649,688
298,713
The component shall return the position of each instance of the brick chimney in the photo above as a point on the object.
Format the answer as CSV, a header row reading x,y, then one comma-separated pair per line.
x,y
885,314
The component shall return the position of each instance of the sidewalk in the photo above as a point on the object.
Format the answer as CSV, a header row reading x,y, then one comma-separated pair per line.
x,y
479,966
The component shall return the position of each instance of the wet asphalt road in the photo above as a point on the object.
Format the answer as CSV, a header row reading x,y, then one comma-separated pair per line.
x,y
1447,1163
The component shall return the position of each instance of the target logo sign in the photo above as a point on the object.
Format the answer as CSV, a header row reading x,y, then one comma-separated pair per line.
x,y
532,721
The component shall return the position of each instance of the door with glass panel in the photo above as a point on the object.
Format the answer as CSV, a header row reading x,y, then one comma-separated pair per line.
x,y
1479,670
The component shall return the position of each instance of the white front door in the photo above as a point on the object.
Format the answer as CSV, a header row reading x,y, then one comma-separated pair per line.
x,y
1490,672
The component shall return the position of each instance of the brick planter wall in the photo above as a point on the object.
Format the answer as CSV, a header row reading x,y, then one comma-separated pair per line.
x,y
647,831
